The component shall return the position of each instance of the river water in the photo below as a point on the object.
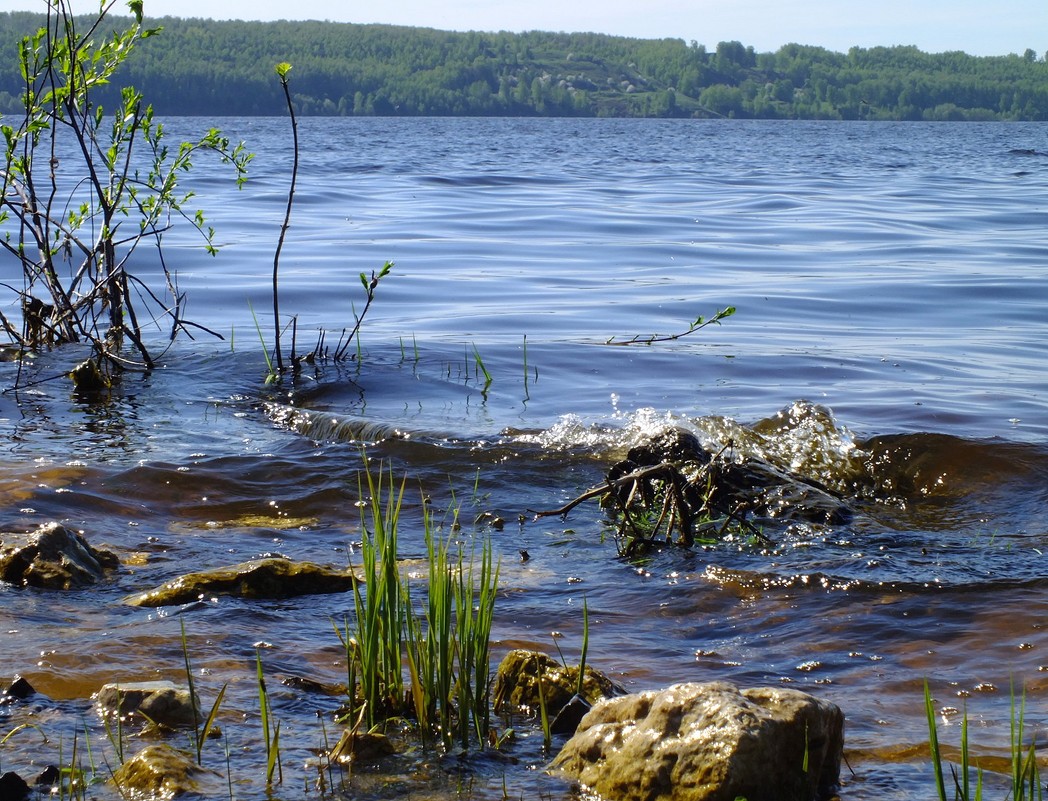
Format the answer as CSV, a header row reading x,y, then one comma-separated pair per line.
x,y
891,282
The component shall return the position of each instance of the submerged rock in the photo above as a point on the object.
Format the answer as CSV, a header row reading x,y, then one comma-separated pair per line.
x,y
18,690
273,577
356,747
708,742
160,771
158,701
517,683
13,787
52,557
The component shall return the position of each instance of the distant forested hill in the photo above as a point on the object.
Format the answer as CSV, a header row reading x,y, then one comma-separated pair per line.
x,y
226,68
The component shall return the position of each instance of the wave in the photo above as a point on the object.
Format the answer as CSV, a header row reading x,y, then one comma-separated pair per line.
x,y
906,481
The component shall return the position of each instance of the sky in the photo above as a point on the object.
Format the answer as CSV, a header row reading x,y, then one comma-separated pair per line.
x,y
977,27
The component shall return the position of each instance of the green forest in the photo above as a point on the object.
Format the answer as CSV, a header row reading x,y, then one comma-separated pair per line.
x,y
205,67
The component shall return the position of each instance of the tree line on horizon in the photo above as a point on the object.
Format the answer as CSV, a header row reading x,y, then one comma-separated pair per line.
x,y
225,68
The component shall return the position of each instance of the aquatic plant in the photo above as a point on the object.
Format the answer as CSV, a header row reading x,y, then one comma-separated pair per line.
x,y
270,727
81,191
381,609
443,645
482,369
1023,773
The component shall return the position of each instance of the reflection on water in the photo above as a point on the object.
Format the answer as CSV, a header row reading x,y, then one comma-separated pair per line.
x,y
897,288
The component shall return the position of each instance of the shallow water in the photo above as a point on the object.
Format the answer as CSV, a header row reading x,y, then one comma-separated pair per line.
x,y
890,342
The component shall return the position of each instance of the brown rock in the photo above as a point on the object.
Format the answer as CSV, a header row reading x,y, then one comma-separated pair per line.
x,y
158,701
517,683
52,557
708,742
274,577
160,771
356,747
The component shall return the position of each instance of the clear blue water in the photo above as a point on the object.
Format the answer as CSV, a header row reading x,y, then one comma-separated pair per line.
x,y
891,282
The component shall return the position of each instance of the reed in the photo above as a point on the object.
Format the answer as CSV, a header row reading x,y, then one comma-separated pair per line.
x,y
443,644
547,732
270,727
475,591
432,646
1024,772
116,738
382,609
482,370
585,648
200,732
527,394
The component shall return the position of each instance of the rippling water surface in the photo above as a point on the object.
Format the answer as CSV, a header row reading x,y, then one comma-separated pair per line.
x,y
891,282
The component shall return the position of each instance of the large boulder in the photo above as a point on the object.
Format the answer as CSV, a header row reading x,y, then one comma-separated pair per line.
x,y
274,577
708,742
52,557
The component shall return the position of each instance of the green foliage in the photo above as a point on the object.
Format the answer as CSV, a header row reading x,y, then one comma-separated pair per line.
x,y
210,67
87,179
200,732
443,646
697,324
270,727
1024,772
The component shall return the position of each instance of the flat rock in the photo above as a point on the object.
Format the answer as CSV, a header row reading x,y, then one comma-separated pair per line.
x,y
708,742
52,557
273,577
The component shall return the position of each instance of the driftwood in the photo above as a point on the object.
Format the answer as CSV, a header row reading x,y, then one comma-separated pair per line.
x,y
683,493
673,490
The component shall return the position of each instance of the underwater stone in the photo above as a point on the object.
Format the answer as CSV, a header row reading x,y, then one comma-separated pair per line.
x,y
160,771
708,742
274,577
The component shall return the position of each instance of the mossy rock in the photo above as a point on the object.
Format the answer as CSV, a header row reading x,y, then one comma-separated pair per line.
x,y
273,577
160,771
517,683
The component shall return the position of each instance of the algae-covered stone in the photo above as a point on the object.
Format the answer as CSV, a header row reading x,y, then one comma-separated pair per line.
x,y
273,577
357,747
52,557
160,771
708,742
517,683
159,701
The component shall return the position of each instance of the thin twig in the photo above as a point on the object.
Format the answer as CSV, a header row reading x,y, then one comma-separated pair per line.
x,y
282,71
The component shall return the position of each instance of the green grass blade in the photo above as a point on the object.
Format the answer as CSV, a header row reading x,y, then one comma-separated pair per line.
x,y
933,743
